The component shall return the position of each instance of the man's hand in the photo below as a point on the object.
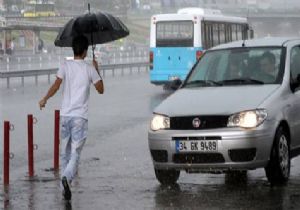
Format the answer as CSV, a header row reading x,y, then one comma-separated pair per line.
x,y
42,103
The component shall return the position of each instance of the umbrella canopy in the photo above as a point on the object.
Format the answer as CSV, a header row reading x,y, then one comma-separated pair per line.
x,y
98,27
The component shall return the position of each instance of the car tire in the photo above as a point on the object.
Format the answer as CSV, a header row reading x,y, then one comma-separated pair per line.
x,y
167,177
278,168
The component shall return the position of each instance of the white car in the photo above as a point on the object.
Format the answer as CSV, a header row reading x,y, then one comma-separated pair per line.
x,y
237,110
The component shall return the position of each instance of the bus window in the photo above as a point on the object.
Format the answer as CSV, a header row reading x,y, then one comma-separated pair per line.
x,y
245,29
228,34
222,33
208,39
215,34
174,34
203,34
239,32
233,32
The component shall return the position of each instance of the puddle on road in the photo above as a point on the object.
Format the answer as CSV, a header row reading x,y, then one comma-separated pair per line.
x,y
255,194
112,192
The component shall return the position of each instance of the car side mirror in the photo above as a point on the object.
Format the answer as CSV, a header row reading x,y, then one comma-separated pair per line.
x,y
175,84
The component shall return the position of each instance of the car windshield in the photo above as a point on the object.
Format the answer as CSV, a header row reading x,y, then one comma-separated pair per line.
x,y
238,66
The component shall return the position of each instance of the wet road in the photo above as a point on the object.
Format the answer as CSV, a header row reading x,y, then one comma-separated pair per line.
x,y
116,170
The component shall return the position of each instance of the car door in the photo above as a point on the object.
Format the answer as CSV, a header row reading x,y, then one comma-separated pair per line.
x,y
294,113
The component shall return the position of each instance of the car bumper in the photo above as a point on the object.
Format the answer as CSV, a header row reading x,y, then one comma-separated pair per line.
x,y
237,149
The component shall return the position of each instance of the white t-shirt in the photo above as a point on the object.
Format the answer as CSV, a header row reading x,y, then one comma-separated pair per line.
x,y
77,77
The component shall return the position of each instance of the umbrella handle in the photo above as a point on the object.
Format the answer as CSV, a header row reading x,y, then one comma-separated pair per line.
x,y
92,38
93,49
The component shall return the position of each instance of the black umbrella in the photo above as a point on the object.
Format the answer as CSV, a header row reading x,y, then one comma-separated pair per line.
x,y
98,27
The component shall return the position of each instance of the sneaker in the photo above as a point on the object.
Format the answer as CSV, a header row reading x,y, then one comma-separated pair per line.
x,y
67,192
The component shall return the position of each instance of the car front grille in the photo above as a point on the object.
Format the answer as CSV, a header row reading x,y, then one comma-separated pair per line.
x,y
191,158
196,138
205,122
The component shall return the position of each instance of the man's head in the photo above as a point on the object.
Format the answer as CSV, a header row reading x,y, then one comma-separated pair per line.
x,y
80,45
267,62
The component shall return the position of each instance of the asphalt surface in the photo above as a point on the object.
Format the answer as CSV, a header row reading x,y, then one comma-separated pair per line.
x,y
116,170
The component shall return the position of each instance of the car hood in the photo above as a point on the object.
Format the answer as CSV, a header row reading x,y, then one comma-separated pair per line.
x,y
223,100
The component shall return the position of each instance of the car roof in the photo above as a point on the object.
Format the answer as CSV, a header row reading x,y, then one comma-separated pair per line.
x,y
263,42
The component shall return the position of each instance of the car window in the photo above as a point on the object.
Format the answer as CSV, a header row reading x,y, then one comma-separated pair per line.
x,y
295,62
238,66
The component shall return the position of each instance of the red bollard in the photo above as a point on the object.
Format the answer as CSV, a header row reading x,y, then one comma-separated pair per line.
x,y
30,146
56,141
6,153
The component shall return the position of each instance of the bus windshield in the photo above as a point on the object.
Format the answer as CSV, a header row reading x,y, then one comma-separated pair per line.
x,y
174,34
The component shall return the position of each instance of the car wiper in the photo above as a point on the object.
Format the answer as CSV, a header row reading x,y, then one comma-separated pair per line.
x,y
242,81
203,83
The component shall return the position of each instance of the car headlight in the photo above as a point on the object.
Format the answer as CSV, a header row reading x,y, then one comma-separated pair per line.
x,y
247,119
159,122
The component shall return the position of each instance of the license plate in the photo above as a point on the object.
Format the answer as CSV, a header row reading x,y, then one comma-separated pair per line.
x,y
197,146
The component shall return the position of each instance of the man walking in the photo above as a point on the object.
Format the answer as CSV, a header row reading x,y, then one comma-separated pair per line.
x,y
77,76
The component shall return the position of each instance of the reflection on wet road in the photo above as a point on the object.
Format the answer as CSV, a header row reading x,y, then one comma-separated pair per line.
x,y
116,170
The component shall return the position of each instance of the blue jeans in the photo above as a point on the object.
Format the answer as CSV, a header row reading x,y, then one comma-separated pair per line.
x,y
73,136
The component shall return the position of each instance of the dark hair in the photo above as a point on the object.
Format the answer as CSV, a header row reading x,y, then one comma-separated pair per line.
x,y
268,55
79,45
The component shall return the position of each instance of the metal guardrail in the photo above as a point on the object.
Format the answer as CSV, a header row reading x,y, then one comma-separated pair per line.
x,y
106,57
23,22
42,72
33,23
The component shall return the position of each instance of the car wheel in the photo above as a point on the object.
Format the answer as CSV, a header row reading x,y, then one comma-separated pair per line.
x,y
167,177
278,168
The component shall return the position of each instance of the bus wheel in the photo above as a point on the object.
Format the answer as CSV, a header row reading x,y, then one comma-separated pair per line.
x,y
167,177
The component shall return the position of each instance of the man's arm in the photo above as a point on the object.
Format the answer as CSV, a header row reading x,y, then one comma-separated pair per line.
x,y
51,92
98,85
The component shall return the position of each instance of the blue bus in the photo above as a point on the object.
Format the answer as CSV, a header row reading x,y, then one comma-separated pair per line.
x,y
178,40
